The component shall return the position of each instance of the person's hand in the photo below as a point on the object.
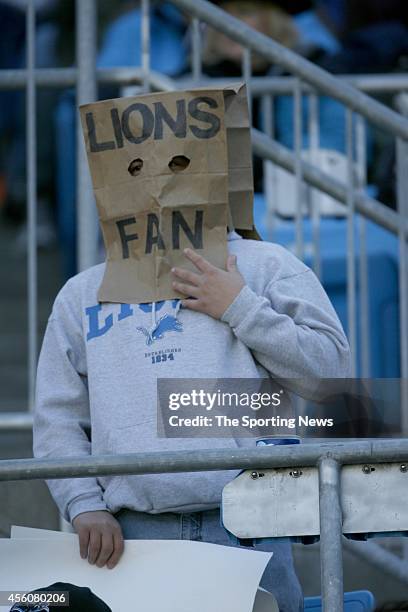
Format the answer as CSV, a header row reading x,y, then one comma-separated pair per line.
x,y
213,289
100,538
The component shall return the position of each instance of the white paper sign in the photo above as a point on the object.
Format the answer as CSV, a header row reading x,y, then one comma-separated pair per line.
x,y
162,575
32,533
264,601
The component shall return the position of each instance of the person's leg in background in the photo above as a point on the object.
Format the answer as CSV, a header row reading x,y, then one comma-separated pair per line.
x,y
11,57
15,164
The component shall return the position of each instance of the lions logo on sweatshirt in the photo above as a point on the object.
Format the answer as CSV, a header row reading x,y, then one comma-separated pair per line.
x,y
167,323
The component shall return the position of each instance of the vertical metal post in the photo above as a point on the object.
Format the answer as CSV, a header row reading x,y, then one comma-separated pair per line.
x,y
196,46
269,174
297,127
300,402
363,263
402,206
247,75
313,147
87,221
351,277
145,43
31,137
331,556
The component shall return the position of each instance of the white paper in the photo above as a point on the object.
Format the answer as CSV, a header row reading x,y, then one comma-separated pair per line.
x,y
161,575
33,533
264,601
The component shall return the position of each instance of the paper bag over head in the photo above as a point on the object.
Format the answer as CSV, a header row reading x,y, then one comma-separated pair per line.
x,y
165,168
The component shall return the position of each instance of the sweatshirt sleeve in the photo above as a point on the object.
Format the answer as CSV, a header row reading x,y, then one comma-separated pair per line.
x,y
61,414
292,331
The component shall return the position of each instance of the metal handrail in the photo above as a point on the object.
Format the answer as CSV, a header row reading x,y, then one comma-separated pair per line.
x,y
328,457
374,210
316,77
16,421
15,79
345,453
281,85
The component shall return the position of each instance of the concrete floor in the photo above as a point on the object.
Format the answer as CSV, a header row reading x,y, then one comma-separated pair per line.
x,y
28,503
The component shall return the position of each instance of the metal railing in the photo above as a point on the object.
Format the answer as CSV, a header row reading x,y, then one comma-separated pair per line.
x,y
310,81
369,110
328,457
124,75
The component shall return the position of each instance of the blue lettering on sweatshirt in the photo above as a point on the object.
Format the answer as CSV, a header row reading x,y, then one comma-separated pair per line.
x,y
95,329
125,311
98,326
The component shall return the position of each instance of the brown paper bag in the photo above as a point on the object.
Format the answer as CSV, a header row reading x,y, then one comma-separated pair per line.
x,y
240,176
159,167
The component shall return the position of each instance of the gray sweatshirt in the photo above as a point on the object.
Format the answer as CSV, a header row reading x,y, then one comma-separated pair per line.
x,y
99,366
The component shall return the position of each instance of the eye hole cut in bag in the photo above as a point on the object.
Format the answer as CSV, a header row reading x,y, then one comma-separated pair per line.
x,y
135,166
178,163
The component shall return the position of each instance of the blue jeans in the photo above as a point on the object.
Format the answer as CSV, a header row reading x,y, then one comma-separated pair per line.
x,y
279,577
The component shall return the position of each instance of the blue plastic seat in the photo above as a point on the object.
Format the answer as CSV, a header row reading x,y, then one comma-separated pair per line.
x,y
382,258
356,601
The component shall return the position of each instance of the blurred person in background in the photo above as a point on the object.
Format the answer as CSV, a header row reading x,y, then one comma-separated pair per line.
x,y
119,46
342,36
11,44
373,35
12,122
54,47
374,39
222,57
295,25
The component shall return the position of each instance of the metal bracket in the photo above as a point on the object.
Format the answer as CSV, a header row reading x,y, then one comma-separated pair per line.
x,y
284,502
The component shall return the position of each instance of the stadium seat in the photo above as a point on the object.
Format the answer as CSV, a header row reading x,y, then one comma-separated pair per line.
x,y
382,257
357,601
